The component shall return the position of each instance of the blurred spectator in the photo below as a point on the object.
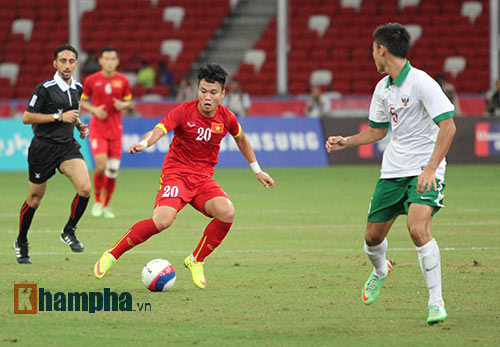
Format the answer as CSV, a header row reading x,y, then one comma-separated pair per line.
x,y
90,65
318,105
134,64
493,101
236,100
146,75
187,90
449,90
165,75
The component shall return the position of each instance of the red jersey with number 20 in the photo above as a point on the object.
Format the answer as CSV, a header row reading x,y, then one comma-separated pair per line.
x,y
103,90
196,143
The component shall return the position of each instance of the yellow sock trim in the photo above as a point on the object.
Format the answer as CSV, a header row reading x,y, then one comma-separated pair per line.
x,y
116,244
202,244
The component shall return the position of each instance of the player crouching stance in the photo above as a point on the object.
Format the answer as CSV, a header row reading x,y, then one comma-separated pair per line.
x,y
413,166
199,127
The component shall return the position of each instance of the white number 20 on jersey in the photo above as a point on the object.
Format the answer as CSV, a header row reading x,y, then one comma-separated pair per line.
x,y
204,134
170,192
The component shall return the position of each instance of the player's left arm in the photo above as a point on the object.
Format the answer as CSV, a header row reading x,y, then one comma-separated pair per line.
x,y
427,178
126,102
249,154
437,104
121,105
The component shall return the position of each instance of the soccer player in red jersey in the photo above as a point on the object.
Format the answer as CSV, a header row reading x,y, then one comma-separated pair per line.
x,y
110,94
199,127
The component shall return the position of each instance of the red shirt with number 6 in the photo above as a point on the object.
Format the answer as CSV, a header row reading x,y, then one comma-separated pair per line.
x,y
103,90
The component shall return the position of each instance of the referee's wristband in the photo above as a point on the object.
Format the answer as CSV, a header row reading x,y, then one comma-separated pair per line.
x,y
255,167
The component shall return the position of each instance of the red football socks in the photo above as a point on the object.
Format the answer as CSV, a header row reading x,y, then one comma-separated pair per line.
x,y
139,233
214,233
109,188
98,185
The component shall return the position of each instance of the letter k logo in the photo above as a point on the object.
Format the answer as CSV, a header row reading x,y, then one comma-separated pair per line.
x,y
25,299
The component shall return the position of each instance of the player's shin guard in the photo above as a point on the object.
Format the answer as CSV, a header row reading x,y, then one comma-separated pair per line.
x,y
25,218
109,188
78,206
139,233
430,263
98,185
214,233
376,254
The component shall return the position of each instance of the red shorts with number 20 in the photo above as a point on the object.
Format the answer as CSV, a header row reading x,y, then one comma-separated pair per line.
x,y
178,189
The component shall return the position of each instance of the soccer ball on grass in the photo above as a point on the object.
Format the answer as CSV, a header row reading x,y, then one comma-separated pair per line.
x,y
158,275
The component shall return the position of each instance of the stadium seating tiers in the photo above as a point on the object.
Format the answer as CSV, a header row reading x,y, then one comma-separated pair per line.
x,y
344,47
332,35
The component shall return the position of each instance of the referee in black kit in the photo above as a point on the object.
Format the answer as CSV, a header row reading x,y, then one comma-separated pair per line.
x,y
53,113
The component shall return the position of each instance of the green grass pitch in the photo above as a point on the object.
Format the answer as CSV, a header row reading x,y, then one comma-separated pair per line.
x,y
290,271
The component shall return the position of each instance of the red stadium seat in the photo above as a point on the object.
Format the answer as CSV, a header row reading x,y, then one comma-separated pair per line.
x,y
138,29
163,91
5,109
6,92
138,91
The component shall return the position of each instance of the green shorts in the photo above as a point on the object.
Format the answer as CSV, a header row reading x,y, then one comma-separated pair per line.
x,y
393,197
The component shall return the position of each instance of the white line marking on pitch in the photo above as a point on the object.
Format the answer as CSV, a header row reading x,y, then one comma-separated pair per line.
x,y
274,251
288,227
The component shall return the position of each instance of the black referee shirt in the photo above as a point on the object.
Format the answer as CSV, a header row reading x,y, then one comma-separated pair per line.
x,y
55,96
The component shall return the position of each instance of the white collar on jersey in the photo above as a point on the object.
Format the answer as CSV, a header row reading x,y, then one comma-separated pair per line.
x,y
63,85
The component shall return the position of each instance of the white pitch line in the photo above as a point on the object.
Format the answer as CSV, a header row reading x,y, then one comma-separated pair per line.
x,y
294,226
263,251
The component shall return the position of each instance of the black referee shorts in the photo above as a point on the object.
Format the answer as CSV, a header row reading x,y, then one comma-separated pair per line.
x,y
45,157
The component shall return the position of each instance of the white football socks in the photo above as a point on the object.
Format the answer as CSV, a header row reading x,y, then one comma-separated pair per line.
x,y
376,254
430,263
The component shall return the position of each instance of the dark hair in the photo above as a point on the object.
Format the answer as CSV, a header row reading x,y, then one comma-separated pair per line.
x,y
65,47
212,73
395,37
109,49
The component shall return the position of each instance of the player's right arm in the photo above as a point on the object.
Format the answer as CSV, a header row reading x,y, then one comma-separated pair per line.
x,y
169,122
379,123
88,91
367,136
150,138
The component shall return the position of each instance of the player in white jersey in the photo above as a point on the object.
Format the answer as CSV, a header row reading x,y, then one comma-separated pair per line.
x,y
413,166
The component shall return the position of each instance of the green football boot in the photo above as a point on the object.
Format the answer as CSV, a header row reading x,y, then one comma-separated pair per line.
x,y
371,289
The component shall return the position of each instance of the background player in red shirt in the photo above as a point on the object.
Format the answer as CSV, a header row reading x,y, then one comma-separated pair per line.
x,y
110,93
199,127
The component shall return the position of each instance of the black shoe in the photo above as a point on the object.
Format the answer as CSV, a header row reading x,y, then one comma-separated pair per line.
x,y
22,252
70,239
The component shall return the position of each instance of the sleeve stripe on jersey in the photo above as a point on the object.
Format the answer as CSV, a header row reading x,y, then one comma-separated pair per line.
x,y
127,97
239,131
84,97
162,127
443,116
378,125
